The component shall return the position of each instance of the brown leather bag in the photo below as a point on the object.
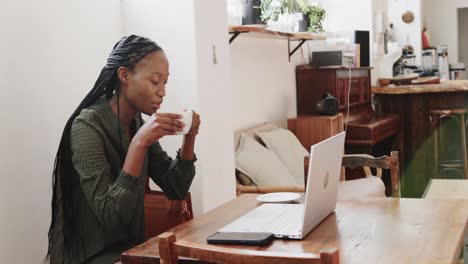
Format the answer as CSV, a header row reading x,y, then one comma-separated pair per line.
x,y
162,214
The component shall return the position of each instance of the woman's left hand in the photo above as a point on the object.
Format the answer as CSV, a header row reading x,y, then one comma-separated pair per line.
x,y
195,124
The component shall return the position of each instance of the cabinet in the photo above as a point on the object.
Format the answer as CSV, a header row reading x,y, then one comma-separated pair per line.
x,y
366,131
313,83
311,129
365,128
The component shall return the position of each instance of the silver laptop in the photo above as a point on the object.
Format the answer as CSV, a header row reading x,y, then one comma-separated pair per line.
x,y
295,221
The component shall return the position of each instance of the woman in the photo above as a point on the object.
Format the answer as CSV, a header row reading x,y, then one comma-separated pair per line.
x,y
107,152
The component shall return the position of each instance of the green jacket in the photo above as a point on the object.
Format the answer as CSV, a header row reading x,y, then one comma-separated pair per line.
x,y
110,202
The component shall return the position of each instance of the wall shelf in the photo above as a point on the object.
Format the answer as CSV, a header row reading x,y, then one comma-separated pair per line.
x,y
260,31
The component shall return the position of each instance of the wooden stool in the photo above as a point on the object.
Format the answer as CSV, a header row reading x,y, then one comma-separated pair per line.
x,y
442,166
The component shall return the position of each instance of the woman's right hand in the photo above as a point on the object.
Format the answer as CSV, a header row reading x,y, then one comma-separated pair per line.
x,y
157,126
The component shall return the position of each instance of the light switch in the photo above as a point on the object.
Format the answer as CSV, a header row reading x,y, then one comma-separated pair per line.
x,y
215,57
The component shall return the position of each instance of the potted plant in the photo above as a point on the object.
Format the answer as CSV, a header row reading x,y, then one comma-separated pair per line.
x,y
251,14
272,9
312,15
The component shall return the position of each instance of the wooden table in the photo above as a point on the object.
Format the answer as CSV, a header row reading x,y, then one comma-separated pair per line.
x,y
415,142
378,230
448,189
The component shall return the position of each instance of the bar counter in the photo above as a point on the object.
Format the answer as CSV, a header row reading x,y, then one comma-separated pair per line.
x,y
415,141
443,87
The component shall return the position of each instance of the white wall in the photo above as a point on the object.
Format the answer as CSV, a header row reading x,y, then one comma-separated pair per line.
x,y
441,20
175,34
343,15
187,30
214,103
52,52
264,82
407,33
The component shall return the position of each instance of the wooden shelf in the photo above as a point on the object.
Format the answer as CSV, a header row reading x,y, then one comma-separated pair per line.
x,y
260,31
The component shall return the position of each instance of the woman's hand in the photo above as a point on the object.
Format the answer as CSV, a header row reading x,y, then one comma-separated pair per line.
x,y
195,124
188,144
157,126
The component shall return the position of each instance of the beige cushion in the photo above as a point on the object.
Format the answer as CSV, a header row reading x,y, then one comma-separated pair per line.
x,y
261,164
244,179
361,188
288,149
253,132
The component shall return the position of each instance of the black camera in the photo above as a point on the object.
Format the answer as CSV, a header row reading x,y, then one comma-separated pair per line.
x,y
327,105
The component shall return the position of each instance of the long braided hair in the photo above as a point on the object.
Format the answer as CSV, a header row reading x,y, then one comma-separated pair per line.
x,y
126,53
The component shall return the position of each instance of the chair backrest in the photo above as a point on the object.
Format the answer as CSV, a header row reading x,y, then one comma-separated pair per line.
x,y
385,162
162,214
170,250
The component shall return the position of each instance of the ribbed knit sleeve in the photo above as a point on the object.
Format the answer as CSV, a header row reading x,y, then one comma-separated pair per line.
x,y
112,198
174,176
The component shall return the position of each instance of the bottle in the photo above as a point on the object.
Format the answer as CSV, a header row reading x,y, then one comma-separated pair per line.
x,y
428,61
444,73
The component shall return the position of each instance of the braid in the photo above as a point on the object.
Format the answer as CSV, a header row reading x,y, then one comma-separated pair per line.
x,y
126,53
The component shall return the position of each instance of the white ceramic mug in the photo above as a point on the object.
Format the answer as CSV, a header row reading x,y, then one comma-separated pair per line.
x,y
187,116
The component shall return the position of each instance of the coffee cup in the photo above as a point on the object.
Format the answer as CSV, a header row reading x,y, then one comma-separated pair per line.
x,y
187,116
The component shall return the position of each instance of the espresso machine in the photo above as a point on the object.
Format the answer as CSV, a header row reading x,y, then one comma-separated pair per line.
x,y
435,63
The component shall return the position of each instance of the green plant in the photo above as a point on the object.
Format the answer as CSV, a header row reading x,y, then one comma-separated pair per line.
x,y
271,9
316,16
315,13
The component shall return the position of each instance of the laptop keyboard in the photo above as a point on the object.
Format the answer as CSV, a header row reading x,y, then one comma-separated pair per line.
x,y
289,221
279,219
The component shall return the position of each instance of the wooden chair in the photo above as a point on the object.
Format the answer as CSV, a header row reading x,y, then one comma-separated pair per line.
x,y
351,161
385,162
162,214
170,249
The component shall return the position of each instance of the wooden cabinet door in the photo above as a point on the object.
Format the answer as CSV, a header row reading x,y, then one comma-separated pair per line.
x,y
356,92
341,92
359,91
311,84
365,84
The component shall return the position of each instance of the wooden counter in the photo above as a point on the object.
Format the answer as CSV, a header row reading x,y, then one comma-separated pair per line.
x,y
415,141
443,87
